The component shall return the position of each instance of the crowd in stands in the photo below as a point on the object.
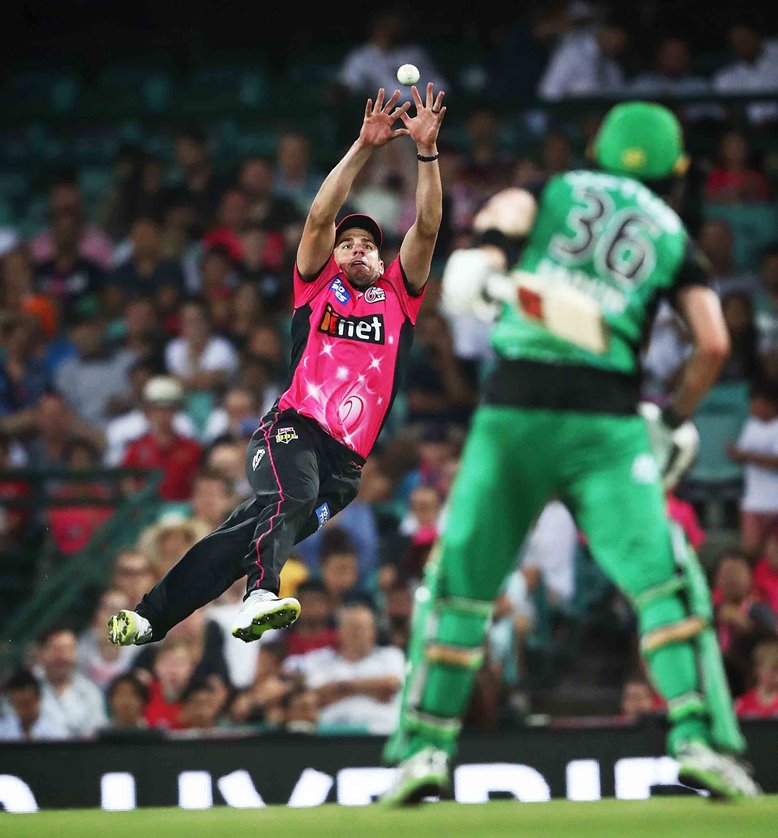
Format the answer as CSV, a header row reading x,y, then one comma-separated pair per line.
x,y
149,331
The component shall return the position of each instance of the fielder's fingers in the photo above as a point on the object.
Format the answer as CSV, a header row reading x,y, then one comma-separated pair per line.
x,y
416,98
429,95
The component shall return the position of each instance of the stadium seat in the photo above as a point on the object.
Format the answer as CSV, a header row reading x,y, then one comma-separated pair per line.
x,y
224,89
47,92
754,226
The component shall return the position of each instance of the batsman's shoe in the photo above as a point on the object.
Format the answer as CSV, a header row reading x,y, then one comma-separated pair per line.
x,y
126,628
425,774
263,610
700,767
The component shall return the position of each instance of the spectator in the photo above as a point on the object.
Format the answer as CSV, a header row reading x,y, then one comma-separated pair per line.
x,y
127,698
173,666
683,513
19,294
744,362
741,620
197,183
216,285
146,272
67,215
66,277
487,162
95,379
396,613
339,567
761,700
56,425
295,175
672,76
22,716
585,60
374,62
438,385
233,215
766,306
132,574
162,447
266,346
261,702
198,358
165,541
754,69
138,330
736,177
91,501
119,205
133,423
202,706
665,353
67,694
717,242
766,570
314,628
212,498
357,685
98,659
301,711
271,291
550,550
24,376
421,526
279,216
227,457
638,699
14,520
757,449
237,417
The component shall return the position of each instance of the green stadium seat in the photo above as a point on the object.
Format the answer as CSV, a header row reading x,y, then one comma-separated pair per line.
x,y
754,226
223,89
130,89
40,92
719,420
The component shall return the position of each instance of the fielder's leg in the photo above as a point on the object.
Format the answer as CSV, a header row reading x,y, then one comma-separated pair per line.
x,y
617,499
498,493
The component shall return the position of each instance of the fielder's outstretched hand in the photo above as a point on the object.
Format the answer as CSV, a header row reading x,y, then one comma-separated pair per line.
x,y
423,128
380,116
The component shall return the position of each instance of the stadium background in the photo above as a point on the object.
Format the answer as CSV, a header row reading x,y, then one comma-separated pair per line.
x,y
103,101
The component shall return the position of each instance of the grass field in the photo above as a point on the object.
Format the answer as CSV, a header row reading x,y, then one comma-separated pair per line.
x,y
684,817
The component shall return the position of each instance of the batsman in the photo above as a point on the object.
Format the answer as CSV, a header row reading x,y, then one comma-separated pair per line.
x,y
571,281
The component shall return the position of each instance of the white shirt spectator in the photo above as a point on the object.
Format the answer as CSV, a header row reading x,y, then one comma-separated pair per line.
x,y
761,484
577,67
550,547
122,430
80,707
219,354
325,666
761,76
669,346
45,727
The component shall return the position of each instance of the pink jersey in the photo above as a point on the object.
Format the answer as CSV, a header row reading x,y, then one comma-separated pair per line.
x,y
349,349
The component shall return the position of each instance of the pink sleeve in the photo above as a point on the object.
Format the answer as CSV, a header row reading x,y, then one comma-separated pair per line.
x,y
410,303
305,291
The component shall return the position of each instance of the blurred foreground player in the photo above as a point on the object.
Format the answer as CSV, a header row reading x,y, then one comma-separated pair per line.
x,y
561,417
352,328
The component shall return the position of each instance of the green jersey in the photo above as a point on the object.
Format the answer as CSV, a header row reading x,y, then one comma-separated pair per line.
x,y
615,241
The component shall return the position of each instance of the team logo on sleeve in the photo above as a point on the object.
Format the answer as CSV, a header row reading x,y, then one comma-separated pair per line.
x,y
286,435
375,294
339,289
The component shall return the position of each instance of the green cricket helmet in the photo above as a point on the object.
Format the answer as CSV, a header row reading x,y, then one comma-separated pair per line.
x,y
643,140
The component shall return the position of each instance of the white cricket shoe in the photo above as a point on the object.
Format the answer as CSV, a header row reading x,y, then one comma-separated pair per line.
x,y
263,610
127,628
425,774
722,775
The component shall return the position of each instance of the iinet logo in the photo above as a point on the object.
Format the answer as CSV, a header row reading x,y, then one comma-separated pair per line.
x,y
364,329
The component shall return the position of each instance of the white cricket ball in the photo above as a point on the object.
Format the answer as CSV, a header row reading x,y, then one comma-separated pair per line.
x,y
408,74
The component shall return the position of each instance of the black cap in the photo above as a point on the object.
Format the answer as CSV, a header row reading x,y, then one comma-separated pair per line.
x,y
364,222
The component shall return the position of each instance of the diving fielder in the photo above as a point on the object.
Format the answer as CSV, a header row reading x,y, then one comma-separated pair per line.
x,y
561,417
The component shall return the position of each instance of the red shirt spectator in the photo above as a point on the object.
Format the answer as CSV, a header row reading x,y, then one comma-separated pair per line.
x,y
177,456
762,699
734,178
314,630
684,514
173,666
766,571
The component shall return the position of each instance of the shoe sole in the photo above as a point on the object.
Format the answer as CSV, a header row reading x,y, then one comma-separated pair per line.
x,y
415,791
710,782
119,629
280,617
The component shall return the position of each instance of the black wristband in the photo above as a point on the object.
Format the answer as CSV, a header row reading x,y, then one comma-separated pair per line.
x,y
671,418
424,159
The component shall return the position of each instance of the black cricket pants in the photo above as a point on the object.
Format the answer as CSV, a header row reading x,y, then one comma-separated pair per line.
x,y
301,477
